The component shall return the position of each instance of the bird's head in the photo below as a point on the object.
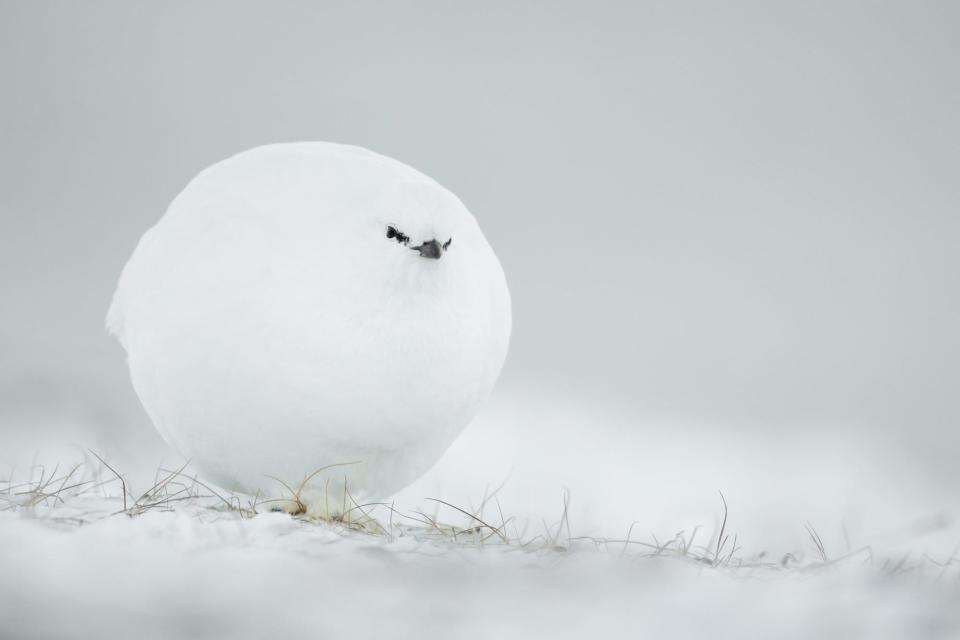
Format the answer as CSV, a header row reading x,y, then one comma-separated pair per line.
x,y
421,233
395,236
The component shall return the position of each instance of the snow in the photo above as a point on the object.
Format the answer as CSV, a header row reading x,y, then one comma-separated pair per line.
x,y
79,569
186,573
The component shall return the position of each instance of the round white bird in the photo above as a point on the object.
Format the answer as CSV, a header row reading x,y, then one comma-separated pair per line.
x,y
313,306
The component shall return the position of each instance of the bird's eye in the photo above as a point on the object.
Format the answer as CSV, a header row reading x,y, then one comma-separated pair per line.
x,y
393,232
446,245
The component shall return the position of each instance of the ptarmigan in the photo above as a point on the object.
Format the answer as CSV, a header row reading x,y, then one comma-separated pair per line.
x,y
313,304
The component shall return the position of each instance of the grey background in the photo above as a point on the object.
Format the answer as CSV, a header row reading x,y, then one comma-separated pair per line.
x,y
742,212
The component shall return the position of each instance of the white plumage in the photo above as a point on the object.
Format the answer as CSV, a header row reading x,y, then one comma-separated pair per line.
x,y
273,328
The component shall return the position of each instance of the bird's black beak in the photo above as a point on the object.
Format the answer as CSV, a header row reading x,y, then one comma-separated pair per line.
x,y
431,249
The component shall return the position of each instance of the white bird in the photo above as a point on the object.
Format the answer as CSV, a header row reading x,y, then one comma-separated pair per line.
x,y
313,304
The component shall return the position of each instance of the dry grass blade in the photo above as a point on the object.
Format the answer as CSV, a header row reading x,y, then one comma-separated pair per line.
x,y
367,514
300,507
161,484
321,470
721,540
123,483
817,542
229,504
626,543
689,543
472,516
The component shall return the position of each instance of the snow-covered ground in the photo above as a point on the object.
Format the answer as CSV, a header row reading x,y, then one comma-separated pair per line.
x,y
635,553
188,573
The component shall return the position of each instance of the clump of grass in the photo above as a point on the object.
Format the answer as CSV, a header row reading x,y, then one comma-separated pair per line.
x,y
296,500
682,545
47,489
169,488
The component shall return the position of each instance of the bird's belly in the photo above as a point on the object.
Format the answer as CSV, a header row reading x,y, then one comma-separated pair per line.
x,y
257,392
